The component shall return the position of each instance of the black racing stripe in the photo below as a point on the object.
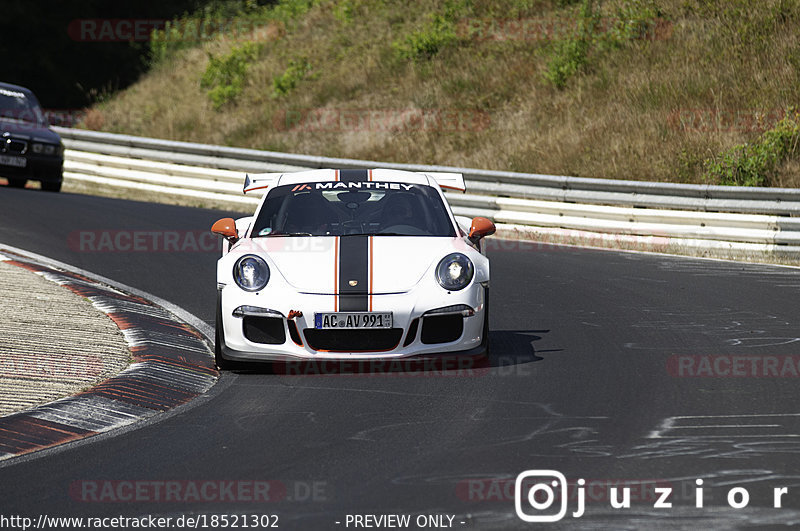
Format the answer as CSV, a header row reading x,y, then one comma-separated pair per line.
x,y
354,260
358,176
354,267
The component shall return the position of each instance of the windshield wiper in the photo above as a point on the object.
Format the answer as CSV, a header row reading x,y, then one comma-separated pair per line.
x,y
286,234
372,234
377,234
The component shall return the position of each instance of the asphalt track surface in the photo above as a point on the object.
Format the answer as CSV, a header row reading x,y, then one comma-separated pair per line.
x,y
583,378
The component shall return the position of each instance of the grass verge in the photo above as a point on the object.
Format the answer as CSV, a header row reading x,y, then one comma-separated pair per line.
x,y
623,89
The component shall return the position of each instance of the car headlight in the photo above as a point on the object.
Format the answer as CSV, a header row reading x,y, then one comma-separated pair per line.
x,y
251,273
47,149
455,272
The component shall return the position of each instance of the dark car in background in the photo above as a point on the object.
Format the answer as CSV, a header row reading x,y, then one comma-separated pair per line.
x,y
29,149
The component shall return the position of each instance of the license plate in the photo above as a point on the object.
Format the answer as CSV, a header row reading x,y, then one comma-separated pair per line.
x,y
352,320
18,162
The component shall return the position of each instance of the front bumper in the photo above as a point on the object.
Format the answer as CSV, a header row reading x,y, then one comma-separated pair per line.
x,y
37,168
413,333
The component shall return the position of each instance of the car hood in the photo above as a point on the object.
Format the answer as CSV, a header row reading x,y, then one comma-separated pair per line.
x,y
29,130
395,264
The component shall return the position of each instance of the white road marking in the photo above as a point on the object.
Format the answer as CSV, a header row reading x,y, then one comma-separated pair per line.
x,y
787,425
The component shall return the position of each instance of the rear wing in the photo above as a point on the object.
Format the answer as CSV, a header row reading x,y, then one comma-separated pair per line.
x,y
260,181
451,181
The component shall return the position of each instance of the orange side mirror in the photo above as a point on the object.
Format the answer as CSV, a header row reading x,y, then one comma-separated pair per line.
x,y
481,227
225,227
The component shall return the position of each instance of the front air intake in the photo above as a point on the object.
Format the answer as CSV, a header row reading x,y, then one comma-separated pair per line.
x,y
264,330
360,340
441,328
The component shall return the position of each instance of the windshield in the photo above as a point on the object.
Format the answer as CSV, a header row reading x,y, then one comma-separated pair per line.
x,y
16,105
343,209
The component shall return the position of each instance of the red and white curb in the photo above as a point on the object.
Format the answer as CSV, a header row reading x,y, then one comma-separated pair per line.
x,y
172,365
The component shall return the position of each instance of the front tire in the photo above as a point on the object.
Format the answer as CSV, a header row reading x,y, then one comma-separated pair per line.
x,y
51,186
17,183
486,321
219,340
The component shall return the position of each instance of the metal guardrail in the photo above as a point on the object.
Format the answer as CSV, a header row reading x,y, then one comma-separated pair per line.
x,y
778,201
716,220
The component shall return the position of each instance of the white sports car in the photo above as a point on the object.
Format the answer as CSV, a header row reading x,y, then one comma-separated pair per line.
x,y
351,264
